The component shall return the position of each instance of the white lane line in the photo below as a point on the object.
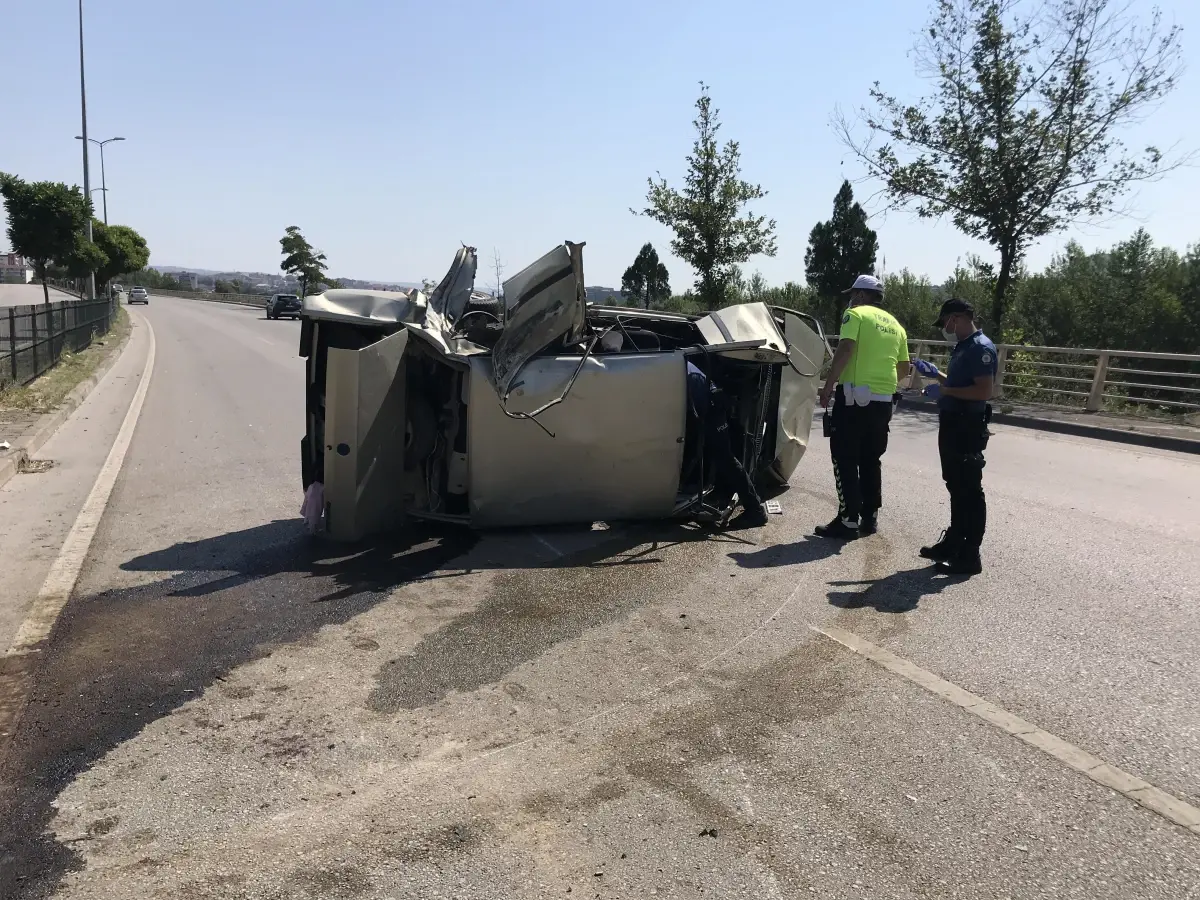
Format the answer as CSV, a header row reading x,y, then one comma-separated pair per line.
x,y
60,581
1145,794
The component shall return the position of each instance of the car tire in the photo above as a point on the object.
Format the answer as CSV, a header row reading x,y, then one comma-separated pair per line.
x,y
421,428
490,305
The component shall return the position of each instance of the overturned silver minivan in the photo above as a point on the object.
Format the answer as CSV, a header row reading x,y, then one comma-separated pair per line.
x,y
537,408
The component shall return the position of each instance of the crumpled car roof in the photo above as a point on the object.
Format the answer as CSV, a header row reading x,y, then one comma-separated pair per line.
x,y
367,307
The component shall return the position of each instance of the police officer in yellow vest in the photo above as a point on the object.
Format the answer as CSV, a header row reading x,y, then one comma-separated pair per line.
x,y
871,358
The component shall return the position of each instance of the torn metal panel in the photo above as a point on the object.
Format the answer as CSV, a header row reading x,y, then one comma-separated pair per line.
x,y
741,324
544,302
617,447
453,348
453,293
798,387
358,307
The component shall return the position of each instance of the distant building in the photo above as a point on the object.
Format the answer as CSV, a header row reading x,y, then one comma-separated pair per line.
x,y
14,269
189,280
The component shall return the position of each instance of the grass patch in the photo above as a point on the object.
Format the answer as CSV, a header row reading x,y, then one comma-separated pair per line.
x,y
46,392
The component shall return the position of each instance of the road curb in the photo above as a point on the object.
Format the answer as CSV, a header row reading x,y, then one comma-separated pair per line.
x,y
47,424
1178,444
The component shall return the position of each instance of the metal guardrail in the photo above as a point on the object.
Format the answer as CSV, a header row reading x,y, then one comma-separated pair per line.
x,y
1093,380
240,299
1080,378
34,338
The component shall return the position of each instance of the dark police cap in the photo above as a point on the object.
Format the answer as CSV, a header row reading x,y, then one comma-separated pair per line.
x,y
952,306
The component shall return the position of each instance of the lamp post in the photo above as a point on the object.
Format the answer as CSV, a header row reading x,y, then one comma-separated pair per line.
x,y
103,181
87,184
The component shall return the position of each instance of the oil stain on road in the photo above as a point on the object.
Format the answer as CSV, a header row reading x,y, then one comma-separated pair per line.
x,y
122,659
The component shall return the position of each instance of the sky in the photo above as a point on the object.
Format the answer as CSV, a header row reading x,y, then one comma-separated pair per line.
x,y
391,130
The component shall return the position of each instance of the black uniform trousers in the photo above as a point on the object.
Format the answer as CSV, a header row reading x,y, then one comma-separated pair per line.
x,y
962,438
857,444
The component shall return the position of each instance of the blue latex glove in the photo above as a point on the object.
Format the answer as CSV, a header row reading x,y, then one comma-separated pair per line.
x,y
932,391
928,369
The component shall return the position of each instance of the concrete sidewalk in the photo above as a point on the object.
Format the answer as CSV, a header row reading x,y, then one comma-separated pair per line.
x,y
1102,426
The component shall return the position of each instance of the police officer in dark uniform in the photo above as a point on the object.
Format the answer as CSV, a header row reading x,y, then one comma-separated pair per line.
x,y
963,415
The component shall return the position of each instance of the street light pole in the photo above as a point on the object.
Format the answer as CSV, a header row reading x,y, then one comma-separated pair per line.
x,y
103,180
87,184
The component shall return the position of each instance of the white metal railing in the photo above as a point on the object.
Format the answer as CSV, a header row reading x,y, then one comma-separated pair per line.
x,y
241,299
1093,379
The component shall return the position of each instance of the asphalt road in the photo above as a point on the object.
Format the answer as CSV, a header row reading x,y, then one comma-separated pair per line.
x,y
27,294
229,710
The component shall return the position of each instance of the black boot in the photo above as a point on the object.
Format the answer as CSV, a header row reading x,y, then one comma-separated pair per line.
x,y
869,524
839,529
965,562
946,548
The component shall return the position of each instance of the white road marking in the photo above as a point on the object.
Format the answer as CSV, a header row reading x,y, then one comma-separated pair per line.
x,y
1143,793
60,581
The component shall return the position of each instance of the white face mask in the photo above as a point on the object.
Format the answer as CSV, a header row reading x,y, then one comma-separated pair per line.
x,y
950,336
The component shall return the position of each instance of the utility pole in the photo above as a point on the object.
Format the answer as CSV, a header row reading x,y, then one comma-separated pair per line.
x,y
499,266
87,182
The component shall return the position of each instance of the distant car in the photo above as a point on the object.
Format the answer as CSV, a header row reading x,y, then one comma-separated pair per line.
x,y
283,305
117,288
138,295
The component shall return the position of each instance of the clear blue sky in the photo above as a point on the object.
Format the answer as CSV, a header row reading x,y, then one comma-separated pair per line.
x,y
390,130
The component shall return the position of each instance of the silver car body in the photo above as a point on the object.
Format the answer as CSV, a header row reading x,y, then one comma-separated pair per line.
x,y
459,407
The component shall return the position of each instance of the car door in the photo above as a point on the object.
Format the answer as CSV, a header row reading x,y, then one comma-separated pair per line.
x,y
364,438
543,302
798,387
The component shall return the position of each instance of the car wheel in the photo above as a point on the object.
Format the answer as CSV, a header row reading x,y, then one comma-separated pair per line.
x,y
421,431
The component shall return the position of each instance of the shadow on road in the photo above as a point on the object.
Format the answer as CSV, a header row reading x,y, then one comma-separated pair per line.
x,y
897,593
124,658
808,550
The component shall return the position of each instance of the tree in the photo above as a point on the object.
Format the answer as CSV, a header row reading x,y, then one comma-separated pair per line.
x,y
124,250
151,278
646,281
712,234
839,250
84,258
300,259
842,248
1019,138
46,220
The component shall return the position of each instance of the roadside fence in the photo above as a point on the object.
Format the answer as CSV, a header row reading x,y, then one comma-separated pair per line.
x,y
1116,381
34,338
259,300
